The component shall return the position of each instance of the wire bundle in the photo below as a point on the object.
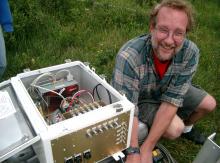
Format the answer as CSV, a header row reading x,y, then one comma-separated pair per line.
x,y
66,102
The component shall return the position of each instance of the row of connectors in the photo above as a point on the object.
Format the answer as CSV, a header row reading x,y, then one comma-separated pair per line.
x,y
78,158
122,134
112,124
82,109
85,108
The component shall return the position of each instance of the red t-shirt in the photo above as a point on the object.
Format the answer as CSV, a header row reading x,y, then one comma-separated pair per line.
x,y
161,67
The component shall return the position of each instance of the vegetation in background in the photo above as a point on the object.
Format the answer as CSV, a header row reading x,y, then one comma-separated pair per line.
x,y
49,31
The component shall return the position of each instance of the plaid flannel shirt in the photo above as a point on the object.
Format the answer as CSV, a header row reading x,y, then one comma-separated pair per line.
x,y
135,75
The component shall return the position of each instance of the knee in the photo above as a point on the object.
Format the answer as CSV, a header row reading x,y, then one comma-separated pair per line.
x,y
212,104
208,104
175,131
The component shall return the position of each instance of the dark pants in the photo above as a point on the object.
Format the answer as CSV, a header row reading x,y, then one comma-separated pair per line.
x,y
148,108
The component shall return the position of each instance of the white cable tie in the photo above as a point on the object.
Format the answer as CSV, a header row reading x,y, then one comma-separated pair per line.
x,y
117,156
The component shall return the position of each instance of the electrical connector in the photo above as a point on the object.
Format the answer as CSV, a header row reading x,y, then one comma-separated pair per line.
x,y
64,105
78,158
157,155
68,160
87,154
118,155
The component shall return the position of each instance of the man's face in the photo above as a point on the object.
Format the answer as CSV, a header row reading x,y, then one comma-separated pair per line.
x,y
168,33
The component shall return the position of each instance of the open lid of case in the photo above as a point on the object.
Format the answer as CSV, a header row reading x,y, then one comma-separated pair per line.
x,y
16,130
210,151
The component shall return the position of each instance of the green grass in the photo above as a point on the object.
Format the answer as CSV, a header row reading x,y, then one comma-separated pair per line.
x,y
49,31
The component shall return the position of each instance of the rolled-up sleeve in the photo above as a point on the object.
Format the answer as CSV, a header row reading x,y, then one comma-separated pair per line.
x,y
125,76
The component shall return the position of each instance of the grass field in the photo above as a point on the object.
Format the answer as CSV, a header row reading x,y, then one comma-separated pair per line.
x,y
49,31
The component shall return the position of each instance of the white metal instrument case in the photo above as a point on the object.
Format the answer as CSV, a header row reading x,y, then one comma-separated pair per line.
x,y
85,120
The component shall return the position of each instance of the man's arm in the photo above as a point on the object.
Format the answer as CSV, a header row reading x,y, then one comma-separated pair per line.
x,y
134,133
134,142
161,122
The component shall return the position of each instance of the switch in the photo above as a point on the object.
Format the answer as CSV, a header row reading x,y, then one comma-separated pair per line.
x,y
110,125
105,127
88,133
87,154
115,124
99,129
94,132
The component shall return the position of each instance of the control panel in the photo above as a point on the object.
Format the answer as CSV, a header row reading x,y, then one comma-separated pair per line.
x,y
93,143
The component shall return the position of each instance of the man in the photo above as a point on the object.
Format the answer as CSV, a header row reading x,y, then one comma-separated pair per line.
x,y
6,26
155,72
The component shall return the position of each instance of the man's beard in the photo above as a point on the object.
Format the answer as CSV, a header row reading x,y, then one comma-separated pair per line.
x,y
164,57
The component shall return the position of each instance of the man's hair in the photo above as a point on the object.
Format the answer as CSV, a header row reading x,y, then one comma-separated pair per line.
x,y
181,5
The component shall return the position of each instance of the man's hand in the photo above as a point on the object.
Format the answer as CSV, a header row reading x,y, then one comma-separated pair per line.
x,y
146,157
161,122
134,158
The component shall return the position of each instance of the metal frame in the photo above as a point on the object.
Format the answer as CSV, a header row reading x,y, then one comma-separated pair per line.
x,y
210,151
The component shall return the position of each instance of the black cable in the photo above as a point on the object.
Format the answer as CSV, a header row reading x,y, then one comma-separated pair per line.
x,y
166,153
96,89
122,161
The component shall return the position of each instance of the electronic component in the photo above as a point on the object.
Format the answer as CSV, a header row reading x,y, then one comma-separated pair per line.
x,y
157,155
51,98
58,85
73,112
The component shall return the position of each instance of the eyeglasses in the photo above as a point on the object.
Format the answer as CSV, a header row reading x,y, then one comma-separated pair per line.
x,y
177,35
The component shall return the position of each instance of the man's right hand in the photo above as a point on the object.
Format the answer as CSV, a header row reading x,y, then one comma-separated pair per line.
x,y
134,158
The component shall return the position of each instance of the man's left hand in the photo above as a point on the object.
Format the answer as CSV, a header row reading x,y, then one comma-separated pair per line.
x,y
146,157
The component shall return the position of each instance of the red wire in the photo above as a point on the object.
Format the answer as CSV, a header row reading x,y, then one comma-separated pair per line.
x,y
74,97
